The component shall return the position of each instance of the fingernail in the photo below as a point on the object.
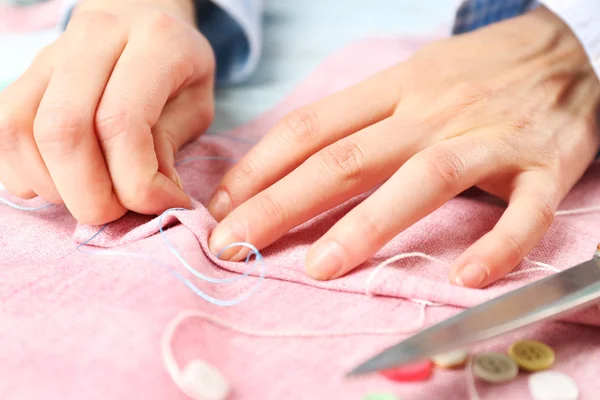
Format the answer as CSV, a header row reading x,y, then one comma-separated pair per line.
x,y
472,275
220,205
325,260
226,234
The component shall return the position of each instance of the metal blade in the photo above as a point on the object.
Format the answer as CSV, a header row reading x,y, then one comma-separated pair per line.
x,y
550,297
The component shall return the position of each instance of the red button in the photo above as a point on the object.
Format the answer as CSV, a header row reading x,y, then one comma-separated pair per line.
x,y
414,372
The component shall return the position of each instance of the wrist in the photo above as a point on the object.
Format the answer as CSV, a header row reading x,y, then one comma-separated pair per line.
x,y
182,8
554,47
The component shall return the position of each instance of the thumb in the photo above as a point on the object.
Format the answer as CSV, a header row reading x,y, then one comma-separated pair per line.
x,y
183,119
165,154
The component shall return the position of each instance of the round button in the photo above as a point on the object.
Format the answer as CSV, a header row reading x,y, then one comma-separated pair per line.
x,y
380,396
494,367
418,371
532,355
552,385
451,359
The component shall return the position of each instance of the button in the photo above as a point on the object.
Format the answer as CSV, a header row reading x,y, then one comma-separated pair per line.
x,y
532,355
451,359
380,396
202,381
418,371
552,385
494,367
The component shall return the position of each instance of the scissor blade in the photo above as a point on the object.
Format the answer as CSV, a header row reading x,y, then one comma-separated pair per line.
x,y
547,298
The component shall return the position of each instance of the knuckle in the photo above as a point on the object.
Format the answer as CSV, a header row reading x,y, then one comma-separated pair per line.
x,y
136,196
92,22
181,66
59,130
367,227
20,192
271,209
93,215
300,125
446,167
344,159
45,55
512,247
545,216
159,21
111,122
247,171
9,133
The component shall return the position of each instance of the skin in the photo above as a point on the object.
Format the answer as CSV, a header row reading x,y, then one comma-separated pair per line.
x,y
96,121
511,109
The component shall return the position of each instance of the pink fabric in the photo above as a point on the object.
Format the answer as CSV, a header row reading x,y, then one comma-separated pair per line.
x,y
88,326
29,18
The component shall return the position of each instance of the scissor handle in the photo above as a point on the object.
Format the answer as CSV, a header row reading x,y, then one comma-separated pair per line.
x,y
597,253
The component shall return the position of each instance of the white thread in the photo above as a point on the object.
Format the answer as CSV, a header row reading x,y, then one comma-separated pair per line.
x,y
540,267
470,378
175,371
182,316
583,210
18,207
393,259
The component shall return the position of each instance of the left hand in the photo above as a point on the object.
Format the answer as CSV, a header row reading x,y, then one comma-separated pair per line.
x,y
510,108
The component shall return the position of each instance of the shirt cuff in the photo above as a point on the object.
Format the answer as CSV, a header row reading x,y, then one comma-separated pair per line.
x,y
582,16
233,28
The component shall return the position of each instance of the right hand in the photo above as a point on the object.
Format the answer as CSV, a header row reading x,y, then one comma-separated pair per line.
x,y
96,120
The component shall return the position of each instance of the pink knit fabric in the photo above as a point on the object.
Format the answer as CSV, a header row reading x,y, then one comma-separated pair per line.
x,y
88,326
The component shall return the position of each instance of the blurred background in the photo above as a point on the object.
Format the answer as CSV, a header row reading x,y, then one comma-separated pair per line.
x,y
297,36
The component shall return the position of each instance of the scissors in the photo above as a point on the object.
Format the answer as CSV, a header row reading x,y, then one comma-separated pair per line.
x,y
564,293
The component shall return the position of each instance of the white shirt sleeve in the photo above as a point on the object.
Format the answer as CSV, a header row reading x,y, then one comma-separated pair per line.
x,y
583,17
233,27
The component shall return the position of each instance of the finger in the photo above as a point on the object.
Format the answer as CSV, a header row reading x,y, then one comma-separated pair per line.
x,y
13,183
23,170
420,186
63,126
337,173
183,119
303,133
148,73
528,217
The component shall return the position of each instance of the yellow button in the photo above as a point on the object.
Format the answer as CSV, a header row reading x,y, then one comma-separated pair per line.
x,y
532,355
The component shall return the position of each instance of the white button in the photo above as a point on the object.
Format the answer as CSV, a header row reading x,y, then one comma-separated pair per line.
x,y
451,359
494,367
202,381
552,385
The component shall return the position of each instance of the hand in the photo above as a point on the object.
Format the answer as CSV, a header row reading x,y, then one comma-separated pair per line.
x,y
96,120
510,108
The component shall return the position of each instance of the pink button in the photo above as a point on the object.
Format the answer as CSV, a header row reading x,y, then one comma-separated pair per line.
x,y
414,372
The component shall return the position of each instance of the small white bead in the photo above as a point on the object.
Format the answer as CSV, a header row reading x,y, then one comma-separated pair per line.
x,y
202,381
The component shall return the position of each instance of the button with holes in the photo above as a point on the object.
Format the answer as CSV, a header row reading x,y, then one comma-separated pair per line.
x,y
552,385
494,367
418,371
451,359
532,355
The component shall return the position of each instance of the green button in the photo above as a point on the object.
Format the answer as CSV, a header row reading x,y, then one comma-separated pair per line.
x,y
380,396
